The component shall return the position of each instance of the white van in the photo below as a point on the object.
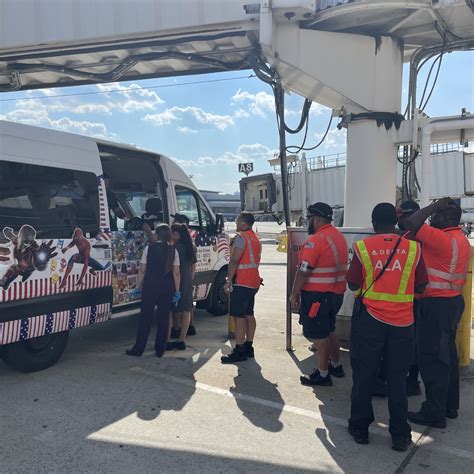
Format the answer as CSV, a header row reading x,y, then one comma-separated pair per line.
x,y
66,260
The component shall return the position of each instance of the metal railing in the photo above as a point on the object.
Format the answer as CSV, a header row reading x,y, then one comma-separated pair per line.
x,y
339,159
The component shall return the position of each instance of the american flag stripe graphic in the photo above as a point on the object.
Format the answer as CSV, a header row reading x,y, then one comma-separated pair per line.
x,y
37,326
28,328
45,287
25,324
223,246
10,332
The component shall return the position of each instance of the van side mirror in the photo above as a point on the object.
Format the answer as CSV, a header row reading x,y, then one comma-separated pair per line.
x,y
219,223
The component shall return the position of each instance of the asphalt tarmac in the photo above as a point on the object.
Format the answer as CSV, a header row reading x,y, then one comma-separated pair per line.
x,y
98,410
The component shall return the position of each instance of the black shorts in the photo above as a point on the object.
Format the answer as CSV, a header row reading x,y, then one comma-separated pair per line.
x,y
242,301
325,321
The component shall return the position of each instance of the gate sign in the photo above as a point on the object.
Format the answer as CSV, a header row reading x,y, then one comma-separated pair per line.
x,y
246,168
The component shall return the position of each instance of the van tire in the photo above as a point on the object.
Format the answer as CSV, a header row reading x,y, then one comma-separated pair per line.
x,y
219,299
35,354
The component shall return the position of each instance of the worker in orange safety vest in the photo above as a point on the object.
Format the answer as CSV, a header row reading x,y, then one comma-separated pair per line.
x,y
242,283
386,270
318,291
446,252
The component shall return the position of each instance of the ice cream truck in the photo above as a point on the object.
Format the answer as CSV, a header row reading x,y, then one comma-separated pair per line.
x,y
71,236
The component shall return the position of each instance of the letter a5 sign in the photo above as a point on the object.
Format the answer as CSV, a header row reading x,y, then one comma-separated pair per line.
x,y
246,168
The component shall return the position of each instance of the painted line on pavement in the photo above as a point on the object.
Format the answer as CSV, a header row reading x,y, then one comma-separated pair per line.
x,y
423,440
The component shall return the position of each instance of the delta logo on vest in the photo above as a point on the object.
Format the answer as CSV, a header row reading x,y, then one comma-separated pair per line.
x,y
390,299
247,271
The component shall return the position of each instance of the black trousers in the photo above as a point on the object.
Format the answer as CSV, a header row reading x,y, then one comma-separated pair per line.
x,y
438,319
159,296
372,340
414,368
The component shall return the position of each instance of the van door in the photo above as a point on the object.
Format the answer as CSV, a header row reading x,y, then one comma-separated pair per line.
x,y
136,185
190,204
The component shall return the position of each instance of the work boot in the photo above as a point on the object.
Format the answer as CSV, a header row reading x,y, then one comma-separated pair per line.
x,y
452,414
249,352
421,419
336,371
180,345
413,388
359,436
237,355
316,379
133,352
400,443
191,330
175,333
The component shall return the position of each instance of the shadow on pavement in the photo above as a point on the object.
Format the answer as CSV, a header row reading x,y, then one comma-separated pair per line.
x,y
251,382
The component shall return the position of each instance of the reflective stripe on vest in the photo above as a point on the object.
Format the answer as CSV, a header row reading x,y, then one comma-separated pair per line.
x,y
400,296
452,279
338,268
252,264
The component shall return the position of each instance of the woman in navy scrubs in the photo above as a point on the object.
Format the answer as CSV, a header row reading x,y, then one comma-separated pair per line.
x,y
159,271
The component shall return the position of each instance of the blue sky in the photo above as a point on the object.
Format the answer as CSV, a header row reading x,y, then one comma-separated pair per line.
x,y
209,127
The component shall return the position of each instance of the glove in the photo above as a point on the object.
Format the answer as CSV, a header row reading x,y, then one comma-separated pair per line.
x,y
136,293
176,298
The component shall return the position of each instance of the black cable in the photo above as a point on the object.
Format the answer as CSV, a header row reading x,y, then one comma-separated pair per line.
x,y
423,106
303,119
428,78
320,141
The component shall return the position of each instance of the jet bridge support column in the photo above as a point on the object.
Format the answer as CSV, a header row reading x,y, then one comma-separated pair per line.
x,y
371,171
354,74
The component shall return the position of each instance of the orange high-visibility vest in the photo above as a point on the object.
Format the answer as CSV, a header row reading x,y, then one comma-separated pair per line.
x,y
390,299
326,254
447,276
247,270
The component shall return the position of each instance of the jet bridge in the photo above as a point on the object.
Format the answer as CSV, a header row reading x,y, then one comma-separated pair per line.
x,y
344,54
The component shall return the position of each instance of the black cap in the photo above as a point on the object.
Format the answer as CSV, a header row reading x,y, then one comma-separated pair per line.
x,y
180,218
320,209
408,207
385,214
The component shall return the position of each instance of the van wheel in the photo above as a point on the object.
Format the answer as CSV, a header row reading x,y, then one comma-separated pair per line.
x,y
35,354
219,299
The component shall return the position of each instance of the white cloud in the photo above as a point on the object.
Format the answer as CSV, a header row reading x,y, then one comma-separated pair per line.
x,y
258,104
200,117
335,138
186,130
124,99
245,153
36,113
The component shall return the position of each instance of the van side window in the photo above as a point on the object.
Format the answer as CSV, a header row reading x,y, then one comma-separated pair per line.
x,y
188,205
53,201
205,216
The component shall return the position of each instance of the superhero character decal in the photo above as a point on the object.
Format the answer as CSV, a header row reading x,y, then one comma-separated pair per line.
x,y
82,257
28,256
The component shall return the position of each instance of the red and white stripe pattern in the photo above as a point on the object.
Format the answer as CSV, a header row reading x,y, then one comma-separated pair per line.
x,y
10,330
104,234
36,326
19,290
102,203
223,246
61,321
201,291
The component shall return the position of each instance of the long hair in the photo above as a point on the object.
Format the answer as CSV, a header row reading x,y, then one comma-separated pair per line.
x,y
163,235
185,239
